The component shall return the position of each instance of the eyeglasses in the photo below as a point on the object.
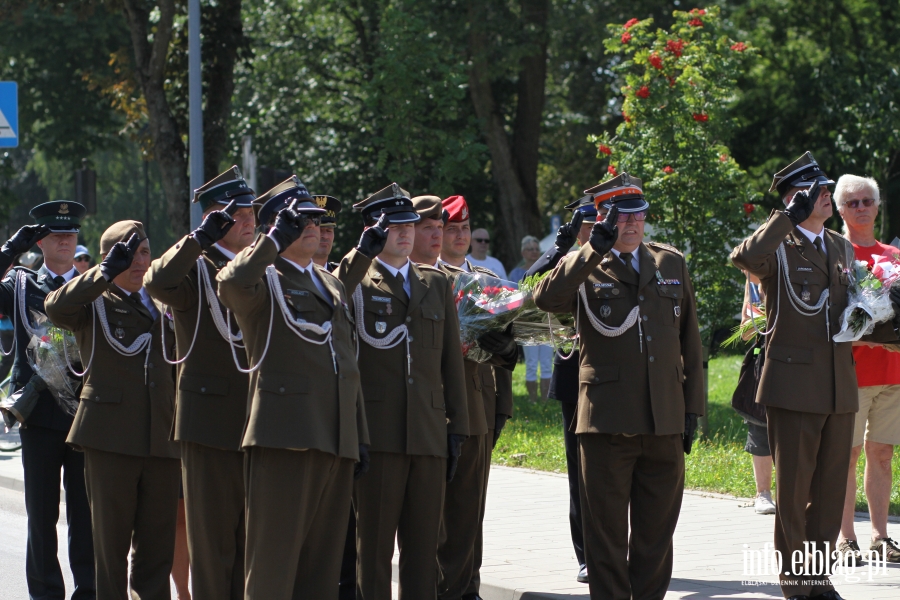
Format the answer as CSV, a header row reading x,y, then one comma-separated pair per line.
x,y
623,217
83,259
313,220
867,202
481,240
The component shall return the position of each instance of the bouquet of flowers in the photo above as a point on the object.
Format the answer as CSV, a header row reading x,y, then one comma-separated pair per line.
x,y
868,299
46,358
485,303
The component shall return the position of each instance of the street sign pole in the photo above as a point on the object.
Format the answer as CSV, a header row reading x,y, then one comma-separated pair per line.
x,y
9,114
195,108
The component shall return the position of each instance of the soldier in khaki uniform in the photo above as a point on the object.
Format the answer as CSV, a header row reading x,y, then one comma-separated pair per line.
x,y
211,402
132,470
306,424
808,381
641,390
459,549
413,379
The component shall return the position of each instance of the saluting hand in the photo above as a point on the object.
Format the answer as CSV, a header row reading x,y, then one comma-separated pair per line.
x,y
605,233
24,239
119,258
215,226
373,239
288,227
802,204
567,234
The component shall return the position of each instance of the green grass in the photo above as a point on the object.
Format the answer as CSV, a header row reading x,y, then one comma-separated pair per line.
x,y
718,463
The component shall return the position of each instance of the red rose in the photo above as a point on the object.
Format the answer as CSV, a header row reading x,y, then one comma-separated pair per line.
x,y
668,170
644,92
695,23
675,47
656,61
626,37
611,169
749,208
604,149
739,47
701,117
630,22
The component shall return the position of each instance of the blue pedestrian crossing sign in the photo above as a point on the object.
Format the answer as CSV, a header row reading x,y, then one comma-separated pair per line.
x,y
9,114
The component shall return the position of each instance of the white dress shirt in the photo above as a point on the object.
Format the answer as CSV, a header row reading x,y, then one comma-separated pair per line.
x,y
404,270
812,238
312,273
634,258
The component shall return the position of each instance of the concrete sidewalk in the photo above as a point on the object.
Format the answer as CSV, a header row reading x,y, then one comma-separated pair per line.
x,y
528,552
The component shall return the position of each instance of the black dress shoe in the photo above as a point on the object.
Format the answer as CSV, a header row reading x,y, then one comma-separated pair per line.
x,y
829,595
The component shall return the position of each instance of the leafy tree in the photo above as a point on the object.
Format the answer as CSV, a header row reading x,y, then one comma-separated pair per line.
x,y
677,100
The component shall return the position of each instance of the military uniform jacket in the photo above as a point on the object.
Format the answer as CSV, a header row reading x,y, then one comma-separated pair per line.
x,y
120,410
804,370
410,413
47,412
211,399
627,384
297,401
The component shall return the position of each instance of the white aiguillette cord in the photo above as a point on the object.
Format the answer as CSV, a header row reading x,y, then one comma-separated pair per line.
x,y
397,335
219,320
633,317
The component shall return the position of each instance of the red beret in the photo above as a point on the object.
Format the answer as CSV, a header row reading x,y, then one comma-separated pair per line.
x,y
457,207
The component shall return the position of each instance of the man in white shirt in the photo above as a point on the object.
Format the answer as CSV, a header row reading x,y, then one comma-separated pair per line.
x,y
481,242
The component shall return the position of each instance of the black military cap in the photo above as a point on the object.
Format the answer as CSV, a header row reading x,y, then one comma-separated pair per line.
x,y
625,191
332,207
60,216
800,173
392,201
584,205
224,188
428,207
269,204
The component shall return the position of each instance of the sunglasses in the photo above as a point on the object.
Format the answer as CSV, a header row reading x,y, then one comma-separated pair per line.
x,y
867,202
623,217
83,259
481,240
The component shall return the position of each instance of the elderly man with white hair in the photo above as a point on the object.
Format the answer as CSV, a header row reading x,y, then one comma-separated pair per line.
x,y
878,376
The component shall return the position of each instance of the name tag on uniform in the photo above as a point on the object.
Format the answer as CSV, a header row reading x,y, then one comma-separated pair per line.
x,y
806,269
381,299
604,285
298,292
120,310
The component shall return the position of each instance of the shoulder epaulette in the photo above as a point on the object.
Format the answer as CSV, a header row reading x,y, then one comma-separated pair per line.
x,y
662,246
486,271
429,268
451,268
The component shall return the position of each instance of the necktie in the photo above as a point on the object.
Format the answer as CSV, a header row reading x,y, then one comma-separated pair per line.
x,y
627,258
819,246
136,296
402,281
58,282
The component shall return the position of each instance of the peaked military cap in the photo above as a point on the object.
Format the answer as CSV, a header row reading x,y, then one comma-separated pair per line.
x,y
625,191
584,205
428,207
800,173
332,207
393,202
60,216
279,197
224,188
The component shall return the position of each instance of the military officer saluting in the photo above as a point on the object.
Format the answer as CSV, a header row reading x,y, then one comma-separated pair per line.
x,y
306,424
413,381
211,401
45,428
641,390
132,469
808,381
327,225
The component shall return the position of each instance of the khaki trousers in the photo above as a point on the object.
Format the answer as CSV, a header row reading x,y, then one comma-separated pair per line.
x,y
297,506
464,499
214,507
401,494
647,473
812,455
134,505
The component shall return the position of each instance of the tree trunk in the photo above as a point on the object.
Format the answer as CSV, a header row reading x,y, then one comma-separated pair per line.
x,y
150,70
514,161
223,38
